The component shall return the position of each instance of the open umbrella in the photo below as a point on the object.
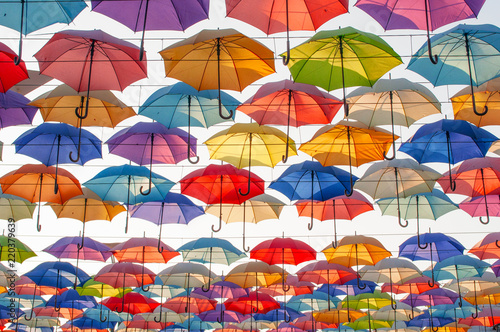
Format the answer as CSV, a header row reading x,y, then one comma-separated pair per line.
x,y
105,109
16,208
221,184
250,145
125,274
142,15
124,183
474,177
273,17
218,59
53,143
448,141
488,247
151,143
395,102
253,210
90,60
181,105
347,143
424,15
342,58
15,110
338,207
13,69
32,182
291,104
13,249
464,57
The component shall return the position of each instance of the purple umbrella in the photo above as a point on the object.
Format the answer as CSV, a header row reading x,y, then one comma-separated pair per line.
x,y
14,109
142,15
221,315
225,289
152,143
431,297
495,266
422,15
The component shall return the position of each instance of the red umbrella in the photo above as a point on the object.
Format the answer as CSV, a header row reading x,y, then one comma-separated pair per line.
x,y
125,275
10,74
221,184
90,60
283,251
340,207
192,304
143,250
252,303
413,286
133,303
291,104
292,286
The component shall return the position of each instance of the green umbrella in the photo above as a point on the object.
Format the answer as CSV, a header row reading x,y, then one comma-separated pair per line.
x,y
342,58
10,246
374,301
13,207
368,323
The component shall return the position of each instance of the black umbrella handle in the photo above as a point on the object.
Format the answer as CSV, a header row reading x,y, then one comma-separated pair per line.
x,y
145,193
17,59
286,58
197,158
392,131
467,52
433,58
249,168
485,202
231,113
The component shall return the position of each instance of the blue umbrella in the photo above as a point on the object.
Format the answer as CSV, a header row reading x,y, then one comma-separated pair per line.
x,y
71,299
430,246
124,184
427,319
350,287
181,105
311,180
90,323
29,16
468,54
54,143
448,141
284,313
14,109
315,301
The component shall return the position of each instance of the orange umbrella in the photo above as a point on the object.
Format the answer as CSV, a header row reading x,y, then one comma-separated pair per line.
x,y
356,250
36,184
338,316
255,274
488,247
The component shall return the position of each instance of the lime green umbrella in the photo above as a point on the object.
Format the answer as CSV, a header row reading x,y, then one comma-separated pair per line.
x,y
373,301
368,323
342,58
11,245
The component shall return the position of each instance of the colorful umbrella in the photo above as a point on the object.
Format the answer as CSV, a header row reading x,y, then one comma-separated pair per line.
x,y
290,103
221,184
142,15
125,275
273,17
488,247
249,145
13,69
474,177
252,303
133,303
105,109
464,57
151,143
55,143
342,58
32,182
15,110
124,184
69,247
186,275
16,208
12,249
255,274
347,143
143,250
338,207
394,101
57,274
181,105
90,60
253,210
218,59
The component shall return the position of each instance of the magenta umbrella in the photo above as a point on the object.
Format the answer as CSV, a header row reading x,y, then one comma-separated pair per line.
x,y
422,14
481,206
432,297
152,143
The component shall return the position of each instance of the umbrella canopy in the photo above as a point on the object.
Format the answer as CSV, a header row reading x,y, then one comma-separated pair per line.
x,y
210,250
283,251
13,207
186,275
10,72
252,303
255,274
125,275
133,303
15,110
356,250
433,246
105,109
68,247
342,58
12,249
143,250
488,247
57,274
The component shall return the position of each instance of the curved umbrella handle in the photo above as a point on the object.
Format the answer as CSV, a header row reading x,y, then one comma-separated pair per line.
x,y
231,113
220,224
358,280
248,186
245,248
249,167
405,224
145,289
160,247
206,290
433,58
349,192
102,318
485,202
150,168
221,319
284,158
310,224
485,109
497,243
38,226
392,131
31,316
286,58
432,283
123,306
17,59
79,146
194,161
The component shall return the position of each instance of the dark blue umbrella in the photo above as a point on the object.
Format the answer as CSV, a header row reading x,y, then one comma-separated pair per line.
x,y
90,323
54,143
57,274
14,109
283,313
430,246
427,319
311,180
448,141
71,299
350,287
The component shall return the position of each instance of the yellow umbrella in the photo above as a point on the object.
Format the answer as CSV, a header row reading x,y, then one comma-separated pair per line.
x,y
486,98
60,105
254,210
99,289
338,316
218,59
250,144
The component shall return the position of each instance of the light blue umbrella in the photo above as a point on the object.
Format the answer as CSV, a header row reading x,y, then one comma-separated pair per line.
x,y
29,16
467,54
124,184
181,105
